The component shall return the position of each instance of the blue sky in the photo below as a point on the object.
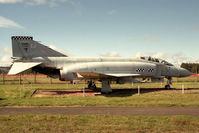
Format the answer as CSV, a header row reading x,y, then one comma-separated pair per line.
x,y
127,28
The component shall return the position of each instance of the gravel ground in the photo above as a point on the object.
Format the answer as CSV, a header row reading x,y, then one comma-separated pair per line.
x,y
123,111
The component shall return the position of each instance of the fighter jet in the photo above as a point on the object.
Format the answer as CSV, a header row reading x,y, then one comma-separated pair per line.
x,y
30,54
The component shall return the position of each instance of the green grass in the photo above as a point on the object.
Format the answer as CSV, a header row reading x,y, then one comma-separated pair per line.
x,y
98,123
10,94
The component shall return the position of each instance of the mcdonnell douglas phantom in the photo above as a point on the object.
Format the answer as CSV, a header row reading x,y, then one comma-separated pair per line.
x,y
30,54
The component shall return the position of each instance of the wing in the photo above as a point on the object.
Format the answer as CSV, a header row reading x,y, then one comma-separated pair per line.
x,y
19,67
123,75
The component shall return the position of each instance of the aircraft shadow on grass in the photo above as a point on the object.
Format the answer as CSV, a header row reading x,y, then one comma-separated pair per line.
x,y
115,92
130,92
2,98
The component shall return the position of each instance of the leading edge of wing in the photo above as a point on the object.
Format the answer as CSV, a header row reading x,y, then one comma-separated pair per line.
x,y
19,67
104,75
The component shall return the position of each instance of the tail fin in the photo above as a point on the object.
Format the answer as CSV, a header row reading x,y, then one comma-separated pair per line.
x,y
26,47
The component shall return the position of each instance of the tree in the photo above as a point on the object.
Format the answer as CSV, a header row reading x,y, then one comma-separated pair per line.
x,y
192,67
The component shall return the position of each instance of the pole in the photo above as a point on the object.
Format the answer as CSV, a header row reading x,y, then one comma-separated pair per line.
x,y
50,80
3,78
31,85
35,78
20,79
196,78
23,88
83,91
67,85
138,90
20,92
183,89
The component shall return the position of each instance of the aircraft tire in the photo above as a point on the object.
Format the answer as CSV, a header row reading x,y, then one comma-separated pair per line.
x,y
167,87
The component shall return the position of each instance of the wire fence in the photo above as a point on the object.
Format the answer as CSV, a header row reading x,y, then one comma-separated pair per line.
x,y
188,82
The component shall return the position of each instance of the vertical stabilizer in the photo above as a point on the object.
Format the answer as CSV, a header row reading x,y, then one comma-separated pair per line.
x,y
26,47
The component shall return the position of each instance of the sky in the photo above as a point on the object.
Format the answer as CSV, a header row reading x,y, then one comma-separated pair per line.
x,y
167,29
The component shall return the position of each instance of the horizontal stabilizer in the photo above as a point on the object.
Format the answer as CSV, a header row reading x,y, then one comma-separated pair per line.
x,y
123,75
19,67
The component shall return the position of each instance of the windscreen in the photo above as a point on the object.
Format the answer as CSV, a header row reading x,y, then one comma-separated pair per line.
x,y
156,60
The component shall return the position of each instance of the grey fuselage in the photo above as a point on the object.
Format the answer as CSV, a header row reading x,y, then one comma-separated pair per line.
x,y
108,66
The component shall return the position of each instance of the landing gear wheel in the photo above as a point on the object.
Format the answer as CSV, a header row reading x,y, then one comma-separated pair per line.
x,y
91,85
167,87
94,86
169,82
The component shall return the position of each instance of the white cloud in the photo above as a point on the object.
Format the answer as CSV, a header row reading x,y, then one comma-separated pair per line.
x,y
39,2
7,23
158,54
59,50
112,12
76,5
111,54
7,50
10,1
5,59
196,28
51,3
154,38
146,37
175,58
36,2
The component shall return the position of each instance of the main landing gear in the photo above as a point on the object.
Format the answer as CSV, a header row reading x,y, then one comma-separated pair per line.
x,y
169,82
91,85
106,88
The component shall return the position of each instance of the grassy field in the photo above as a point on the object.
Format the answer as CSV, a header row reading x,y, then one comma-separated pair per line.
x,y
14,94
98,123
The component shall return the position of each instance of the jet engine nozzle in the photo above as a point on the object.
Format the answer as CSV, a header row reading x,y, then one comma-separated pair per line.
x,y
66,75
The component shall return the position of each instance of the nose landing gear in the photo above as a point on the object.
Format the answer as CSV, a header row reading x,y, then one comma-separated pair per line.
x,y
169,82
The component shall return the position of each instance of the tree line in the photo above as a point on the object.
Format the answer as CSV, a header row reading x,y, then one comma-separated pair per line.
x,y
192,67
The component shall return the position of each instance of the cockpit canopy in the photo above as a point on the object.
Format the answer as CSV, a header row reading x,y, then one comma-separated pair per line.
x,y
156,60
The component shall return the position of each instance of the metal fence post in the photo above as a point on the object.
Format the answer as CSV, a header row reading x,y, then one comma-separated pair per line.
x,y
138,90
183,89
